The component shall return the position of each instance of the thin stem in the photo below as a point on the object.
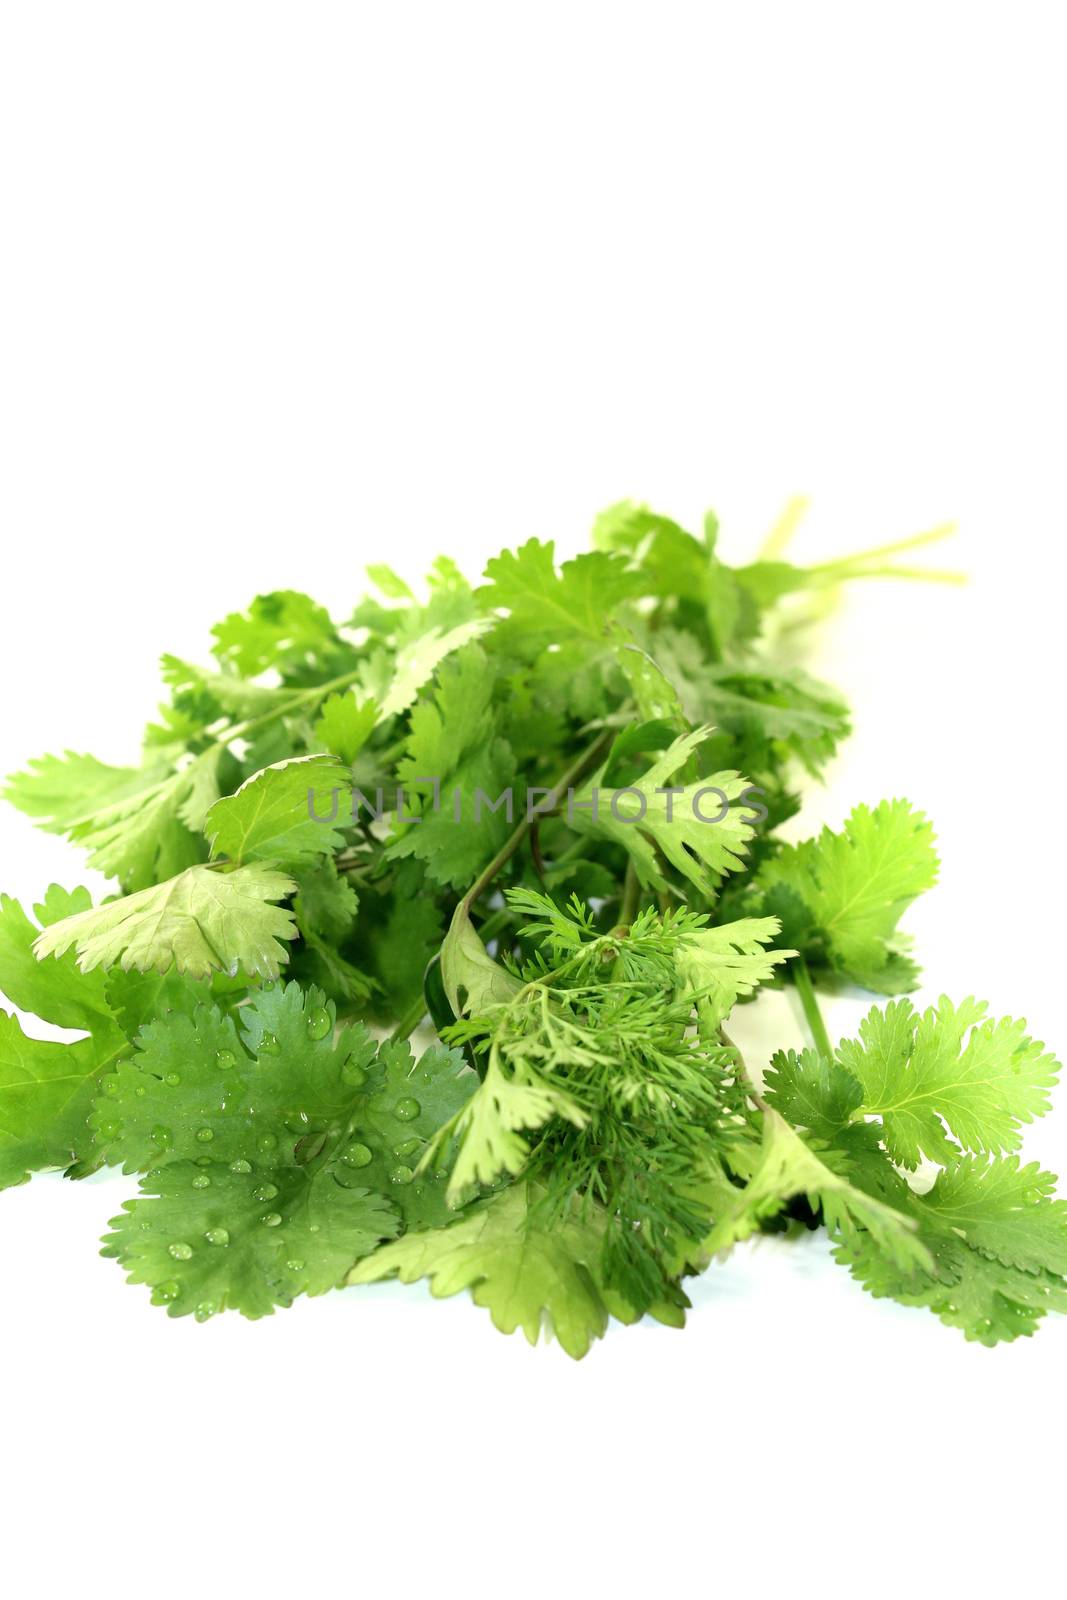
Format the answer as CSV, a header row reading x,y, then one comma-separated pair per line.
x,y
409,1021
578,768
917,541
809,1002
631,896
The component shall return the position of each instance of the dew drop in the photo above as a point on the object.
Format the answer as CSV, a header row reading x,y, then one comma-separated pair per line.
x,y
240,1165
224,1059
140,1091
298,1122
173,1079
270,1219
295,1266
205,1310
406,1110
268,1045
109,1129
217,1236
401,1175
266,1191
201,1181
407,1147
266,1143
180,1252
111,1085
314,1227
161,1136
353,1075
268,983
318,1022
165,1292
205,1135
358,1155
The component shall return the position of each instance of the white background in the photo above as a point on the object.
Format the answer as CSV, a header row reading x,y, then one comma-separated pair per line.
x,y
287,289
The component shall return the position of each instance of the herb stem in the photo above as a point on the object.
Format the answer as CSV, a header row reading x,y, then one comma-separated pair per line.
x,y
810,1005
631,895
409,1021
576,770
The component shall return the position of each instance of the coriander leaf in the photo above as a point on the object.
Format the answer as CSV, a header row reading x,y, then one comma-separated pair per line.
x,y
787,1167
255,1085
948,1067
526,1276
544,603
680,822
452,744
976,1293
219,692
283,630
417,661
812,1092
404,1104
345,724
283,815
473,981
55,990
654,694
488,1128
1002,1209
721,964
47,1087
198,922
856,884
208,1238
129,819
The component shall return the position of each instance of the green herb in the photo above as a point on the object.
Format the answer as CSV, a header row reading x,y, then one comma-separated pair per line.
x,y
542,816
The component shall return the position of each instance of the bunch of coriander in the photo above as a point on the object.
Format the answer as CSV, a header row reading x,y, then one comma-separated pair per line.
x,y
543,816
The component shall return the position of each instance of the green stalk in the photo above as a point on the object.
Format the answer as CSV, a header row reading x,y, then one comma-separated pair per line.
x,y
576,770
810,1004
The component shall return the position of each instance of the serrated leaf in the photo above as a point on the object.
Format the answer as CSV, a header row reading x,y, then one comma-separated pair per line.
x,y
527,1277
696,826
284,815
208,1239
199,922
722,964
345,724
949,1067
856,884
812,1092
47,1087
544,603
787,1167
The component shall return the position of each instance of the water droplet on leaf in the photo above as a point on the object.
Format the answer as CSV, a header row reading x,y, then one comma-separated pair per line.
x,y
406,1110
271,1219
318,1022
224,1059
268,1045
201,1181
205,1135
266,1191
240,1165
358,1155
217,1236
180,1252
401,1175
